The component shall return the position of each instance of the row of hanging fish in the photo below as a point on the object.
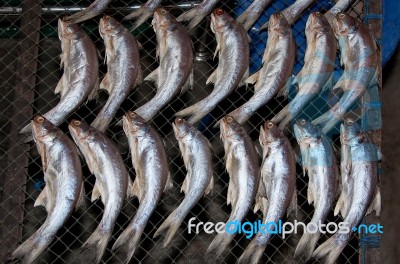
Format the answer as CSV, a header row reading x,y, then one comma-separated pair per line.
x,y
271,186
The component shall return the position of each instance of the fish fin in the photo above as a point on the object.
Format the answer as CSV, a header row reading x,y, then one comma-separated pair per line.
x,y
30,250
26,129
293,204
210,186
129,239
99,240
213,77
139,78
219,244
253,251
331,248
152,77
262,205
339,208
105,84
136,190
244,82
376,203
94,93
186,183
253,78
169,227
41,200
169,184
81,198
96,192
188,84
284,90
329,84
59,86
306,245
310,194
341,82
130,189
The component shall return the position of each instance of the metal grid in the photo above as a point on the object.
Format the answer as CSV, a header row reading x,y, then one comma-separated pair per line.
x,y
184,247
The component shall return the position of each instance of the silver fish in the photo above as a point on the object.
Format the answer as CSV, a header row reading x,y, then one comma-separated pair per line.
x,y
252,13
143,13
294,11
319,162
358,54
278,61
94,9
244,176
174,49
317,72
152,177
277,190
81,73
123,68
340,6
360,194
64,187
197,156
197,13
105,162
233,64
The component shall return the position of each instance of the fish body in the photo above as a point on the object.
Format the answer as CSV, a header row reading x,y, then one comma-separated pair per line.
x,y
244,176
294,11
64,187
197,156
360,194
123,68
253,12
81,72
340,6
358,54
233,64
174,73
319,162
143,13
278,62
152,177
277,190
317,72
105,162
94,9
197,13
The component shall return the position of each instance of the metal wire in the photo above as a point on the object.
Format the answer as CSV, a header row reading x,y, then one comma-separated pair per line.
x,y
185,247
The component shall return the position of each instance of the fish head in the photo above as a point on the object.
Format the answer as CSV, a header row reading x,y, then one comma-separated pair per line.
x,y
317,22
80,131
134,124
344,24
349,130
231,129
109,26
43,130
221,21
278,24
68,31
182,128
163,20
270,132
304,131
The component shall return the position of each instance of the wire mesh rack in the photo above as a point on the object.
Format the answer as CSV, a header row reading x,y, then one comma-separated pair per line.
x,y
29,72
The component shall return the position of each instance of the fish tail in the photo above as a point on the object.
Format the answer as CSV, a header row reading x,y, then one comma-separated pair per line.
x,y
331,248
99,240
101,122
170,226
30,249
253,252
281,115
192,16
129,239
219,244
322,119
196,112
194,22
306,245
142,14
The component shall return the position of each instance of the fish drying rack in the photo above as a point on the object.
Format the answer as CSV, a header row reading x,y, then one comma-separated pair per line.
x,y
29,72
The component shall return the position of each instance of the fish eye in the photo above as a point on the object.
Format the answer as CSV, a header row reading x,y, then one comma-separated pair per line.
x,y
342,15
318,13
302,122
270,124
280,15
132,114
179,120
77,122
350,122
229,119
163,11
219,11
40,119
